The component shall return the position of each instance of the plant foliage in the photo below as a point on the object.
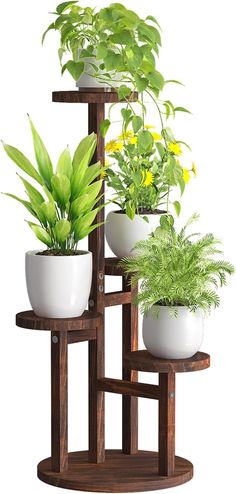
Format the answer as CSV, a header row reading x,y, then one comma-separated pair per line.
x,y
175,270
67,206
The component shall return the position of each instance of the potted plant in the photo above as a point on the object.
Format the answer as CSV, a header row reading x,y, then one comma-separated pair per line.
x,y
179,278
59,278
148,170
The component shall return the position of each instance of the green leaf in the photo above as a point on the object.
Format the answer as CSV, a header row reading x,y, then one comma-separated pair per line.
x,y
145,141
64,165
82,225
64,5
177,207
122,37
123,92
126,114
41,234
113,60
61,230
49,211
141,83
42,157
92,172
137,123
137,178
104,126
101,51
130,210
34,194
180,108
27,204
23,162
150,33
134,57
75,68
61,190
166,221
52,26
85,200
153,19
156,79
85,151
173,81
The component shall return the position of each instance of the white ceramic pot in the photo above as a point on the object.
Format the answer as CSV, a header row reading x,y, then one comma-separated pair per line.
x,y
170,337
123,233
58,286
88,81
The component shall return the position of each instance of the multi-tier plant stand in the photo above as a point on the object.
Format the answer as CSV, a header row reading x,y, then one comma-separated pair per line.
x,y
129,469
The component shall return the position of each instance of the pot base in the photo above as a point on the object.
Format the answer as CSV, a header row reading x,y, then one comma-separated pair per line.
x,y
119,473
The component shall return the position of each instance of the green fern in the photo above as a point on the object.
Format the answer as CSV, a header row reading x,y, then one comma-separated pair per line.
x,y
175,270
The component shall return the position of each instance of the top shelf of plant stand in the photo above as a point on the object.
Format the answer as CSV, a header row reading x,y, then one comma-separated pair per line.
x,y
87,321
93,95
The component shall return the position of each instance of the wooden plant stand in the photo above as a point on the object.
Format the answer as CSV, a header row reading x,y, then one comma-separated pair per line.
x,y
97,470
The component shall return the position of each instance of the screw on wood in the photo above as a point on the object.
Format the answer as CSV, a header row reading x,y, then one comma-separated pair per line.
x,y
55,339
91,303
101,288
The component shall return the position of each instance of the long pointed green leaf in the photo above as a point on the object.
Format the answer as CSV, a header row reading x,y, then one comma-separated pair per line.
x,y
82,225
20,160
49,211
25,203
64,165
85,151
41,234
42,157
34,194
61,190
62,230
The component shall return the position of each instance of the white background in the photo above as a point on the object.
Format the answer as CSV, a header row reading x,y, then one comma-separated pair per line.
x,y
198,49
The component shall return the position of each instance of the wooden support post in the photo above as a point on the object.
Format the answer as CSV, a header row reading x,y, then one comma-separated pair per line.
x,y
59,401
96,114
129,344
167,424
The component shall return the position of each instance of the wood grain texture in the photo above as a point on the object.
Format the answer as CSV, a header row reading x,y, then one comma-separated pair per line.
x,y
28,320
82,335
119,386
96,400
120,473
129,344
59,401
142,360
117,298
92,97
167,424
112,267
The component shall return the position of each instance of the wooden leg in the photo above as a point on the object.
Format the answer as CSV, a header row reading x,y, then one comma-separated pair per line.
x,y
129,403
167,424
96,399
59,401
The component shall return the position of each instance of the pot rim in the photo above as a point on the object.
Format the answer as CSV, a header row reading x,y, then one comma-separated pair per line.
x,y
32,253
121,211
178,307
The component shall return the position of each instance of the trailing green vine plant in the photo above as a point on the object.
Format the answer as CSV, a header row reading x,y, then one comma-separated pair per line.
x,y
66,207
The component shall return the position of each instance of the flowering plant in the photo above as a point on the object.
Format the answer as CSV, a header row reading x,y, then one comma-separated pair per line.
x,y
149,168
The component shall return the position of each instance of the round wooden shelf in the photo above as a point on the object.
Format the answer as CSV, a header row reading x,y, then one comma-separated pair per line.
x,y
92,96
142,360
119,473
88,320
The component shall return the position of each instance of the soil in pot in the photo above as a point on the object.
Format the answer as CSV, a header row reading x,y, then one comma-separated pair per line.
x,y
55,252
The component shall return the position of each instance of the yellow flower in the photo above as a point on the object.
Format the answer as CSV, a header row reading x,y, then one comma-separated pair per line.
x,y
175,148
103,174
126,135
113,146
156,136
149,178
186,175
133,140
149,126
194,170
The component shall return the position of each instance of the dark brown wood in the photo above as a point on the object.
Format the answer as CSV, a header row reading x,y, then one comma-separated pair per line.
x,y
93,97
96,400
59,402
96,114
167,424
119,386
129,344
82,335
142,360
117,298
28,320
112,267
120,473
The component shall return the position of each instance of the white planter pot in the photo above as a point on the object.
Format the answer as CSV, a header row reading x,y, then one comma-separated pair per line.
x,y
170,337
87,81
123,233
58,286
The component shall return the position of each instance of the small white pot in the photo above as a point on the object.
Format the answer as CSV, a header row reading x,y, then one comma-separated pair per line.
x,y
88,81
122,233
170,337
58,286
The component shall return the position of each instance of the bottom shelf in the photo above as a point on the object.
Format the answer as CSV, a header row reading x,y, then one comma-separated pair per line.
x,y
119,473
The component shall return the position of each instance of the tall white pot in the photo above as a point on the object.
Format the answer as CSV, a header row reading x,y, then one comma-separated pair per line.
x,y
88,81
122,233
170,337
58,286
